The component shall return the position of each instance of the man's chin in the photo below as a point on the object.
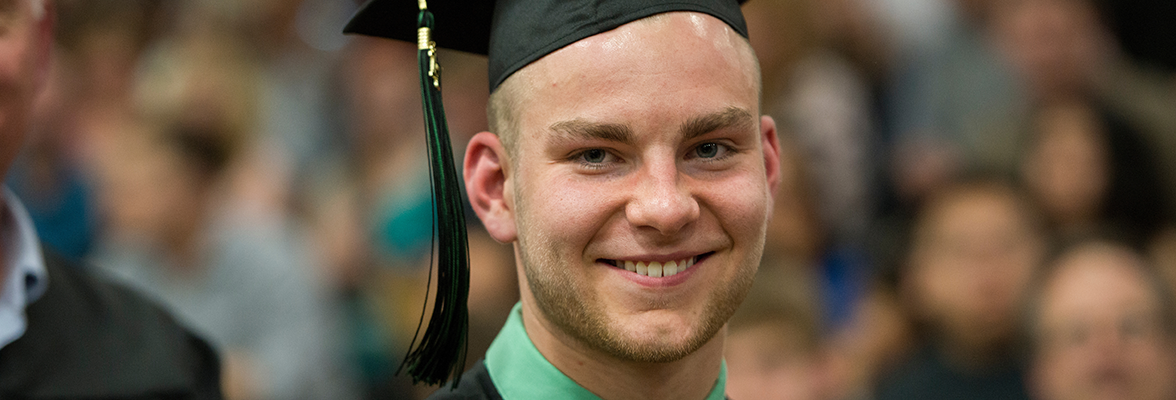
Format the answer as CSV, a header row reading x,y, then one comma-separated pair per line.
x,y
652,351
654,342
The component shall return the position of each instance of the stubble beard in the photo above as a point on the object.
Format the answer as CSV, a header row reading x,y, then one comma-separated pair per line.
x,y
575,310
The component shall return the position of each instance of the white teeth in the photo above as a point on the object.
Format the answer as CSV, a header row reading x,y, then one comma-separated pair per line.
x,y
670,269
655,269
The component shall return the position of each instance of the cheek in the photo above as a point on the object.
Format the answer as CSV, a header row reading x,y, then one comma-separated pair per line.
x,y
1151,358
11,65
740,204
562,209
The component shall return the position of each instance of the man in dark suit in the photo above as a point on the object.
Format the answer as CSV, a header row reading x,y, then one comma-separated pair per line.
x,y
63,332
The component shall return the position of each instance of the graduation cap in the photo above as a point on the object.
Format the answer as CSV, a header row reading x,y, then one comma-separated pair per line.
x,y
513,33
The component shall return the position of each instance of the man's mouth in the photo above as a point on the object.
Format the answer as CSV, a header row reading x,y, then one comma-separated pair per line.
x,y
657,269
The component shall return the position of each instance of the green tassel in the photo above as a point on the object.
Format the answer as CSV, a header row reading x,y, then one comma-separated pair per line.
x,y
441,352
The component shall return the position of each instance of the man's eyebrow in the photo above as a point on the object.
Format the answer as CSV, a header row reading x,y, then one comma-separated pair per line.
x,y
579,129
731,117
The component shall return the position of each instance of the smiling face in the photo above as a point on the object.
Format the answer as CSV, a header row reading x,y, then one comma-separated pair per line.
x,y
641,185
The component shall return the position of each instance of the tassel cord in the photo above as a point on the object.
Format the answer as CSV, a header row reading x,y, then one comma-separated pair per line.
x,y
441,352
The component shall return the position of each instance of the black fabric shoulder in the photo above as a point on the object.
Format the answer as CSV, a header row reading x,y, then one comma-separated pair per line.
x,y
475,385
90,338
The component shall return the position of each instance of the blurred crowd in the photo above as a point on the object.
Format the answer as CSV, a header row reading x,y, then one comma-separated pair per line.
x,y
977,198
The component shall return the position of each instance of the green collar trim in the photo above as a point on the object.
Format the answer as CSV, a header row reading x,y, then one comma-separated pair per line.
x,y
520,372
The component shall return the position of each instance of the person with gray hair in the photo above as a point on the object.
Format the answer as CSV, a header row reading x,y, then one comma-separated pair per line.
x,y
1100,325
65,333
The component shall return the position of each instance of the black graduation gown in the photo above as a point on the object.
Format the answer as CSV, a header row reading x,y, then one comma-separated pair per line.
x,y
475,385
90,339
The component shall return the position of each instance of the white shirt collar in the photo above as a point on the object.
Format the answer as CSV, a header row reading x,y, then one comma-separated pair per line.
x,y
26,277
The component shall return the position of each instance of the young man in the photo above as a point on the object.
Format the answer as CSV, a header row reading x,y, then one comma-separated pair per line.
x,y
630,169
64,333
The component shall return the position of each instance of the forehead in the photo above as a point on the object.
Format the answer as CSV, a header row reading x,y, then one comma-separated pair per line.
x,y
667,61
973,210
1098,280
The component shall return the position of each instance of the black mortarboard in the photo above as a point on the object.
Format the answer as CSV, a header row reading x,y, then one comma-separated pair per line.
x,y
516,33
513,33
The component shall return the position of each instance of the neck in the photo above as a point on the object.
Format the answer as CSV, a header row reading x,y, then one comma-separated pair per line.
x,y
976,356
611,378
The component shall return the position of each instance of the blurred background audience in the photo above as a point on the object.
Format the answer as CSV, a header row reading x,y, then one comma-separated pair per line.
x,y
773,348
972,249
262,175
1100,324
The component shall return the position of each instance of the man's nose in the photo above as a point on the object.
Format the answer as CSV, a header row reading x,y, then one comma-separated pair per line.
x,y
661,201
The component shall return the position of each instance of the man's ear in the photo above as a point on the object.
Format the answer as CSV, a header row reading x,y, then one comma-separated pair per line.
x,y
486,172
771,145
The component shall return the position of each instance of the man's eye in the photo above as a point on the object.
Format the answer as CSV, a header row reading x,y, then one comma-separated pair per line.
x,y
711,151
596,159
707,150
594,156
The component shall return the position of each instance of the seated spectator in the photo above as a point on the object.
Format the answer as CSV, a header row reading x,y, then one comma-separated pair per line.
x,y
1087,168
1068,51
1101,325
973,248
241,279
64,332
773,347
